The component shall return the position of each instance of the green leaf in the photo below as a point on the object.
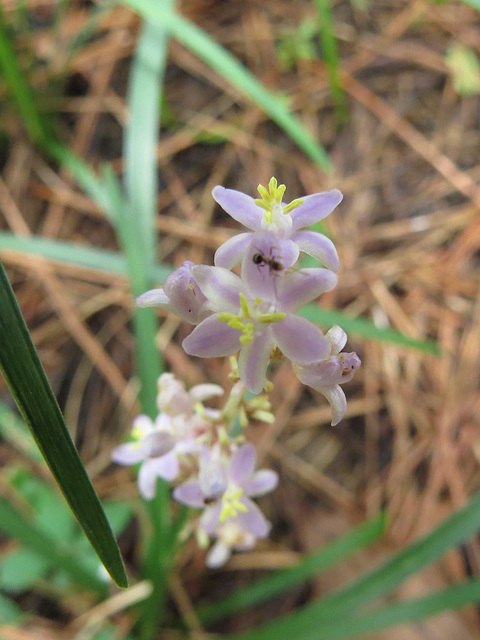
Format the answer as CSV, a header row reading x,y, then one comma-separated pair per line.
x,y
310,566
9,612
21,569
465,70
29,386
304,622
400,613
51,552
225,64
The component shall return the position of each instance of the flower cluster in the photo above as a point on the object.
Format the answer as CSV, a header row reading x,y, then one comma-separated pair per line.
x,y
192,446
255,313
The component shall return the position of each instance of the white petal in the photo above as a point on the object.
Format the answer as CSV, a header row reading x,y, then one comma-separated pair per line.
x,y
337,400
337,338
153,298
300,340
212,339
201,392
318,246
241,207
147,480
218,555
231,252
129,453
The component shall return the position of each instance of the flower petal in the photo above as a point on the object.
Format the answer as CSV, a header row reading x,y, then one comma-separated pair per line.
x,y
241,207
147,479
253,361
210,518
253,520
262,482
290,252
218,555
221,287
231,252
185,297
212,339
201,392
300,340
301,287
242,464
190,493
320,374
318,246
315,208
166,466
337,400
158,444
337,338
129,453
153,298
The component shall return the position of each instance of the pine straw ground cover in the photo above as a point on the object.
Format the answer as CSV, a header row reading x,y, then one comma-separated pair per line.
x,y
406,159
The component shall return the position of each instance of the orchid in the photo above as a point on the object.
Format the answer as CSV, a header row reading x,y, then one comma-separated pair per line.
x,y
286,222
327,375
223,490
256,314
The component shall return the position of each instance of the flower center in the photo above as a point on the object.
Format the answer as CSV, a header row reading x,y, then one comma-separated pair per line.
x,y
252,315
277,216
231,504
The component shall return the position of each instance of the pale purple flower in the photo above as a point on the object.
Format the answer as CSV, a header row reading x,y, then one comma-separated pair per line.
x,y
230,537
286,222
327,375
157,446
180,294
174,400
255,314
224,491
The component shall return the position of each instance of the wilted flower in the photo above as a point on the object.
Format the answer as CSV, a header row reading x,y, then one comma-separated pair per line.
x,y
284,221
327,375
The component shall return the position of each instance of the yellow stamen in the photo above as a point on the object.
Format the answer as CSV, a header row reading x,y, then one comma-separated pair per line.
x,y
231,504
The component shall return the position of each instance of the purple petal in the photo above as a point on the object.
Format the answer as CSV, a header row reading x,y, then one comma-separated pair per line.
x,y
218,555
212,339
301,287
242,464
185,297
190,493
166,466
262,266
210,518
129,453
318,246
253,520
231,252
262,482
221,287
300,340
337,400
253,361
337,338
158,444
315,208
290,252
241,207
153,298
147,479
320,374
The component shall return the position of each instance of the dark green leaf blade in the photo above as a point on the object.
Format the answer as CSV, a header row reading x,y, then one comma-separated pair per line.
x,y
29,386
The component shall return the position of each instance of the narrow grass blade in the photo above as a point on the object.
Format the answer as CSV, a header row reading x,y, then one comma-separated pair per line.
x,y
32,537
365,328
313,564
225,64
29,386
473,3
400,613
79,255
379,582
330,52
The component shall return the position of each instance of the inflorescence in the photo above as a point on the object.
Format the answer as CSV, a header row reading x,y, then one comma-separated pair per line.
x,y
203,450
